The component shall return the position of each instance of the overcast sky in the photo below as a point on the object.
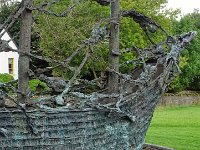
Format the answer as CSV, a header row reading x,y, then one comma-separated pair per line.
x,y
186,6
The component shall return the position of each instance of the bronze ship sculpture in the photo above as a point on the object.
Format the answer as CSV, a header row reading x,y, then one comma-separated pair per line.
x,y
99,120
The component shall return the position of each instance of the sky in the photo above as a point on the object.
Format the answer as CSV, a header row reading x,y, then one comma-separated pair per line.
x,y
186,6
6,37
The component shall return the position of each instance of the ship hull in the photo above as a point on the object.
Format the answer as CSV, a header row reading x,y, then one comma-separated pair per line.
x,y
75,129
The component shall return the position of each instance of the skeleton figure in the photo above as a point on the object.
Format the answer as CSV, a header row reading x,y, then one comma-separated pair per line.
x,y
147,74
177,47
2,97
3,132
97,34
57,84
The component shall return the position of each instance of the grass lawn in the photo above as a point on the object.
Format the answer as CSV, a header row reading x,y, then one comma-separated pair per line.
x,y
176,127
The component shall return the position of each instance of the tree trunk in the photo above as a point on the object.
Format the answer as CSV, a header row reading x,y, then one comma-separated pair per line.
x,y
24,46
114,46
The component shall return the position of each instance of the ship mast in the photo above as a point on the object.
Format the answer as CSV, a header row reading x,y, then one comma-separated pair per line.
x,y
114,52
24,46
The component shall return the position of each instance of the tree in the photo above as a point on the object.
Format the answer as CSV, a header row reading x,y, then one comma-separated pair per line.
x,y
59,37
98,122
5,11
190,60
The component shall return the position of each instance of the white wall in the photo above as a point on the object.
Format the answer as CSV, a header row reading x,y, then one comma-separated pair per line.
x,y
5,55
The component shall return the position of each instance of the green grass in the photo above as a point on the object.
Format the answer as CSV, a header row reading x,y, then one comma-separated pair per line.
x,y
176,127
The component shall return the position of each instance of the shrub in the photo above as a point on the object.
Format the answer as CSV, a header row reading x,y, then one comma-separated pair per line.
x,y
4,77
176,85
37,85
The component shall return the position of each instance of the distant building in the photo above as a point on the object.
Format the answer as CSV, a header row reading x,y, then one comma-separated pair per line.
x,y
9,59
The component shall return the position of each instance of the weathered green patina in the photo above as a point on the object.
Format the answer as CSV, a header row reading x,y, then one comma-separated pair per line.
x,y
116,119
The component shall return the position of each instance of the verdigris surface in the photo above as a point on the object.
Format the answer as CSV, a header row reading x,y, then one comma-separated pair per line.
x,y
107,119
119,122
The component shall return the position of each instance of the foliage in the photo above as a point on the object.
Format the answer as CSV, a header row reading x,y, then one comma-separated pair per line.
x,y
57,37
170,129
34,84
5,12
37,85
4,77
61,36
189,79
176,85
132,34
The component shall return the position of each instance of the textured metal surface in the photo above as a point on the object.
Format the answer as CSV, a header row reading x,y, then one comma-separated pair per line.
x,y
74,130
65,130
118,123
